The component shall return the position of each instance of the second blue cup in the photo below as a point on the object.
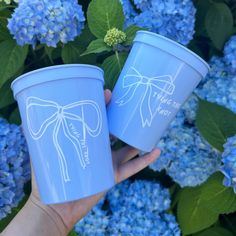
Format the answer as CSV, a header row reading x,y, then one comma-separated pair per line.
x,y
158,76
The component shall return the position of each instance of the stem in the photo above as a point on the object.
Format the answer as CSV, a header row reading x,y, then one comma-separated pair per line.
x,y
118,59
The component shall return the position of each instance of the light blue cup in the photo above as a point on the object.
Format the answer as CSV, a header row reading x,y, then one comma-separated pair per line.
x,y
64,120
158,76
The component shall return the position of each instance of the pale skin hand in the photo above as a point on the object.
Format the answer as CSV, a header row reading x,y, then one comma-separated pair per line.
x,y
67,214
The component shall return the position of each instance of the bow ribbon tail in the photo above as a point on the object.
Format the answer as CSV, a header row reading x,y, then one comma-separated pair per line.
x,y
62,159
75,143
129,94
146,108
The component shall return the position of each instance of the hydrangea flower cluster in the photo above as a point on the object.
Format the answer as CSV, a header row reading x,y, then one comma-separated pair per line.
x,y
134,223
139,209
48,22
129,12
114,37
187,113
139,195
229,160
220,85
230,54
94,223
14,166
174,19
135,208
186,157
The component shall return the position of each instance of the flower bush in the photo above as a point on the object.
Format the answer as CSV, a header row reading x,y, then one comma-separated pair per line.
x,y
190,190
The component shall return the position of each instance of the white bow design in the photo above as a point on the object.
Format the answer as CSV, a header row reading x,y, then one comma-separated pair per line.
x,y
60,118
152,86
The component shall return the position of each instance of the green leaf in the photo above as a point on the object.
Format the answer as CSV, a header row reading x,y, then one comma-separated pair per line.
x,y
215,123
130,33
15,117
72,233
5,14
215,231
71,51
4,35
12,58
103,15
203,7
6,98
97,46
217,197
212,198
191,214
219,24
112,67
49,52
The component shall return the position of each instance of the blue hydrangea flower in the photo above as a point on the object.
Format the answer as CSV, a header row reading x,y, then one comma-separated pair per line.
x,y
143,5
135,222
48,22
94,223
14,166
218,86
189,109
136,208
174,19
230,54
142,195
129,12
186,157
178,120
229,160
187,113
220,89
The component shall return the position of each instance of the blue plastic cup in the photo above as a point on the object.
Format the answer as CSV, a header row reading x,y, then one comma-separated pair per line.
x,y
64,120
158,76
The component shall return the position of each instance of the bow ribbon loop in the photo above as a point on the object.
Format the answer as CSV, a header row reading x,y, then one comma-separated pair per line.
x,y
151,86
59,117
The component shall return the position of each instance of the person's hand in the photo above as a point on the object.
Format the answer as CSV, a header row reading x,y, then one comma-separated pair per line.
x,y
67,214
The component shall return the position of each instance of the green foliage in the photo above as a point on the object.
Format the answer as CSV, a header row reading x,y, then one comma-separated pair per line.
x,y
6,95
72,233
11,60
97,46
71,52
104,15
15,117
215,123
215,23
112,67
215,231
130,33
219,24
200,207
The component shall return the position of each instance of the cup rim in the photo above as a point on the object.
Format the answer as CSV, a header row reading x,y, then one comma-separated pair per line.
x,y
20,82
174,43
